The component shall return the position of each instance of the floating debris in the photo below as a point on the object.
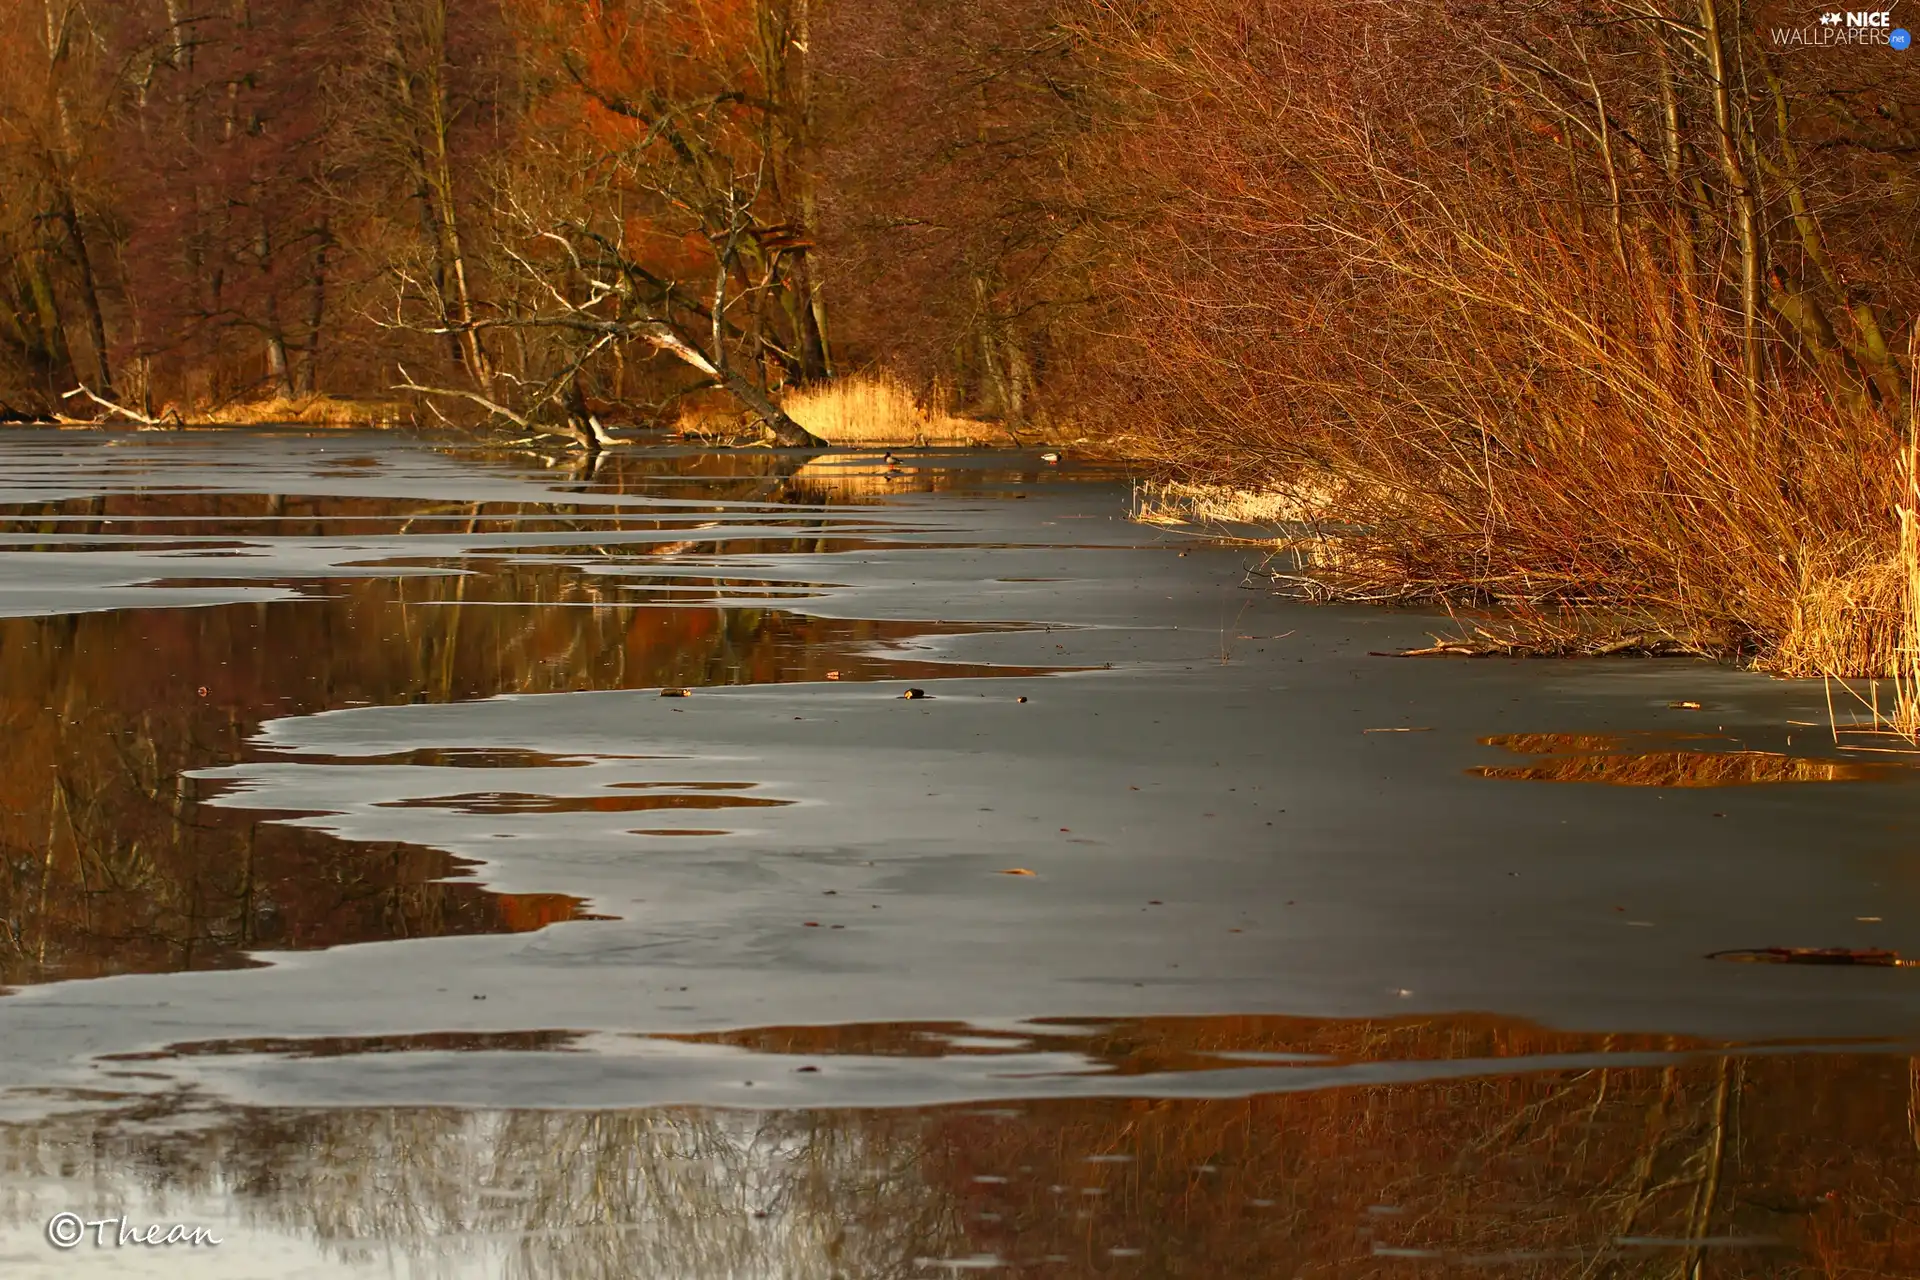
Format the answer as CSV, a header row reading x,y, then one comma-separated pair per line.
x,y
914,693
1486,645
1686,704
1018,871
673,693
1875,957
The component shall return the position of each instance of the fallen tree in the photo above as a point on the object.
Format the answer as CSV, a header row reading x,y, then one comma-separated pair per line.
x,y
563,393
115,409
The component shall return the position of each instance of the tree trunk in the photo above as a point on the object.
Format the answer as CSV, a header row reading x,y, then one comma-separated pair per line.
x,y
1683,229
417,60
479,368
996,395
58,361
279,371
786,432
316,316
1746,208
815,351
89,292
580,424
816,361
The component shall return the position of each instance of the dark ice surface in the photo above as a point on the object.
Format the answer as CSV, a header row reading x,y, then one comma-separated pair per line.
x,y
368,900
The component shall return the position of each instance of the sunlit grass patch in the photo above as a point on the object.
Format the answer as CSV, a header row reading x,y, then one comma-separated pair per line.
x,y
1182,502
311,410
879,409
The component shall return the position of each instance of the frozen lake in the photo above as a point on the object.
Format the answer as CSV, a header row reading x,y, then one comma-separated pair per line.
x,y
369,903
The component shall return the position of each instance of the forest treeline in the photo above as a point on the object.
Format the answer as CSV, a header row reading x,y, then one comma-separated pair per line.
x,y
1552,303
518,208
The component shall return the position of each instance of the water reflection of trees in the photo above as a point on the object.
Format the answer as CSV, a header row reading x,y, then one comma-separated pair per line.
x,y
1549,1173
1546,1173
588,1195
108,864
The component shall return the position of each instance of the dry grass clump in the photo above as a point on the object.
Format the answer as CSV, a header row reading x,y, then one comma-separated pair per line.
x,y
309,410
1893,590
1906,666
878,409
1624,478
1777,546
1306,500
1844,623
862,410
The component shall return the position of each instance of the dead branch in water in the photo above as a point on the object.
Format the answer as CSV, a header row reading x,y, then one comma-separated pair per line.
x,y
1486,645
459,393
132,415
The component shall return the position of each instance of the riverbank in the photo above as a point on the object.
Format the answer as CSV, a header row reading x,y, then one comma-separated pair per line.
x,y
1778,550
1781,550
1785,586
865,410
315,410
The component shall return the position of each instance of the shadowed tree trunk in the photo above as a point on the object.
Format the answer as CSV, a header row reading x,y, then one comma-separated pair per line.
x,y
89,292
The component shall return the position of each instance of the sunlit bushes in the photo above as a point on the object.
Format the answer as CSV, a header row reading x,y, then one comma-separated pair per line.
x,y
1549,317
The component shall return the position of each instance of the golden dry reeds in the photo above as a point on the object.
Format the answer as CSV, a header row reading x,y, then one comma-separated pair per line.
x,y
309,410
1906,667
877,409
861,410
1563,453
1897,585
1294,500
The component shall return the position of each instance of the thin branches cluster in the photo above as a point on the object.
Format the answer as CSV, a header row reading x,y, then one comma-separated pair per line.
x,y
473,205
1565,306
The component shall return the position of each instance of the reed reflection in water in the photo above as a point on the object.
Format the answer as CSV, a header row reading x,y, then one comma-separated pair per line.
x,y
1658,760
